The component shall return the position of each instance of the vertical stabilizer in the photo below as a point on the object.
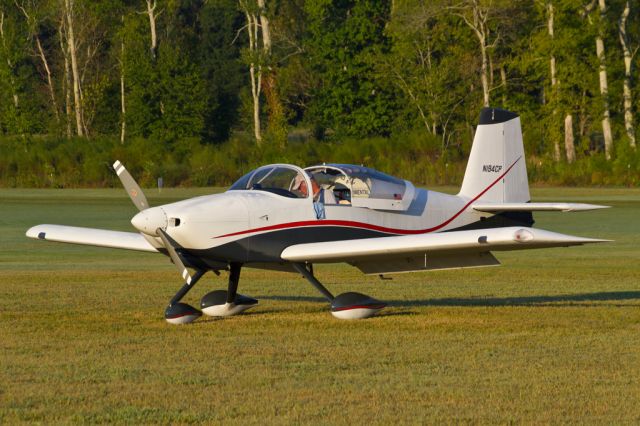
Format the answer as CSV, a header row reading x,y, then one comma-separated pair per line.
x,y
496,171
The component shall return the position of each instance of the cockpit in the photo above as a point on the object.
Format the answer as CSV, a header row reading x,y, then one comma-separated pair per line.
x,y
331,184
279,179
361,186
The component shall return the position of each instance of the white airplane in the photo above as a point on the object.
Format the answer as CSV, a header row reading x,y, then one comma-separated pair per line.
x,y
378,223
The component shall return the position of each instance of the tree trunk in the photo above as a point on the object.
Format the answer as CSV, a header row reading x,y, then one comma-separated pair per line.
x,y
71,44
604,91
151,8
503,81
569,145
478,23
255,72
277,125
265,31
66,82
554,86
628,57
32,23
123,110
12,82
484,78
52,92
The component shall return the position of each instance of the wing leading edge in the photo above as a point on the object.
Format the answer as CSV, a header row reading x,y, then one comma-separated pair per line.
x,y
91,237
445,250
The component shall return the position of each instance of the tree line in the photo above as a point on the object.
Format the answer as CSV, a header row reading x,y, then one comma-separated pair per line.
x,y
401,82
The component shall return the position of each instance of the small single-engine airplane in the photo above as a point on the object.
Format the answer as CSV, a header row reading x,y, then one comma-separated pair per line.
x,y
283,217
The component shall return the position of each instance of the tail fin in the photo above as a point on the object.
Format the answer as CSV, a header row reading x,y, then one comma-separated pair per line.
x,y
496,171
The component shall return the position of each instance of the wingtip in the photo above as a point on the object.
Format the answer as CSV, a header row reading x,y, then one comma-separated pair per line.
x,y
35,232
586,207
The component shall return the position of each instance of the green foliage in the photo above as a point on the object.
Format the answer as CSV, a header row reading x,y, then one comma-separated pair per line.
x,y
418,157
344,37
372,80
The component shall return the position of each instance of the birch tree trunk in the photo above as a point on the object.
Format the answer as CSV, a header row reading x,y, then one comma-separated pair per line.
x,y
151,8
277,125
66,82
255,67
71,45
255,72
604,90
45,65
628,57
478,23
554,84
123,110
569,144
264,22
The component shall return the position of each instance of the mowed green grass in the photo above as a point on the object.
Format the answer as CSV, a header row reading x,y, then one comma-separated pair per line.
x,y
551,336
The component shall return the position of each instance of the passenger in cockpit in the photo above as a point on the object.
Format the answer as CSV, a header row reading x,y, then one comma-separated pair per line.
x,y
322,195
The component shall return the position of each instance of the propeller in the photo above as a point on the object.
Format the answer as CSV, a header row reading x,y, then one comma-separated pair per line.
x,y
148,219
175,257
131,186
150,223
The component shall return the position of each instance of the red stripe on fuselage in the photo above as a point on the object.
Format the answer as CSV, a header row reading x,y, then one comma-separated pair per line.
x,y
353,224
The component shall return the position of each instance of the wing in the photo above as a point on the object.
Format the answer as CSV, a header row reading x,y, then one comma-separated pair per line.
x,y
535,207
91,237
445,250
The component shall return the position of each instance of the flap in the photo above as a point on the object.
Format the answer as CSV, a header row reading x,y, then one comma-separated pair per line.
x,y
425,262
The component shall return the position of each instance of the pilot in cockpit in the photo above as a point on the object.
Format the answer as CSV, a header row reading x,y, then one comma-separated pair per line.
x,y
322,195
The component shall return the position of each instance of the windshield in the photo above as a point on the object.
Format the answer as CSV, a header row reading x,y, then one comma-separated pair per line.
x,y
277,179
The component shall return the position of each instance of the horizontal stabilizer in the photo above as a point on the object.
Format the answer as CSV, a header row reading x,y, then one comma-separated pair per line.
x,y
535,207
387,249
91,237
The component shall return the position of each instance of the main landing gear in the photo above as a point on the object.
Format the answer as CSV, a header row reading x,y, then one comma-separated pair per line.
x,y
224,303
349,305
219,303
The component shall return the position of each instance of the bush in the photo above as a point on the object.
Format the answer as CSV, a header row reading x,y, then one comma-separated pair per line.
x,y
50,162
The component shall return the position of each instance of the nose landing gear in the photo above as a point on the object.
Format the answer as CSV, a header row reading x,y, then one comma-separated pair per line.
x,y
182,313
219,303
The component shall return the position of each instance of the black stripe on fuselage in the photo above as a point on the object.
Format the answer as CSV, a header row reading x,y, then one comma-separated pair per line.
x,y
268,246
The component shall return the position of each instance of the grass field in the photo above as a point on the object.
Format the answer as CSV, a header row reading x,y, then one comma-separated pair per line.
x,y
552,336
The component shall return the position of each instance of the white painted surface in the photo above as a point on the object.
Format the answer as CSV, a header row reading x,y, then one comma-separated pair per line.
x,y
481,240
357,313
535,207
226,310
91,237
185,319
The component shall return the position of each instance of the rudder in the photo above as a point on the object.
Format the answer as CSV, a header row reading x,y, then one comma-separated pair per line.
x,y
496,170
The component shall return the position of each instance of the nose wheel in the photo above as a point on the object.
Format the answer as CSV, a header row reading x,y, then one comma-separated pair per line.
x,y
182,313
219,303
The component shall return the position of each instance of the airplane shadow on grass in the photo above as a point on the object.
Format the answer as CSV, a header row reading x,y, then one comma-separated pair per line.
x,y
580,299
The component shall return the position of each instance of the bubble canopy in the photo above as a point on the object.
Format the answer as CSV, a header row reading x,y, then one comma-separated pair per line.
x,y
352,185
364,187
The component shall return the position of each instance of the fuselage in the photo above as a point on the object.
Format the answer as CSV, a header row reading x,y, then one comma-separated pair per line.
x,y
255,226
272,208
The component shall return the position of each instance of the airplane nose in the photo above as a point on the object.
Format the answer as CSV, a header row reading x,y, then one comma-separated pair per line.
x,y
149,220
